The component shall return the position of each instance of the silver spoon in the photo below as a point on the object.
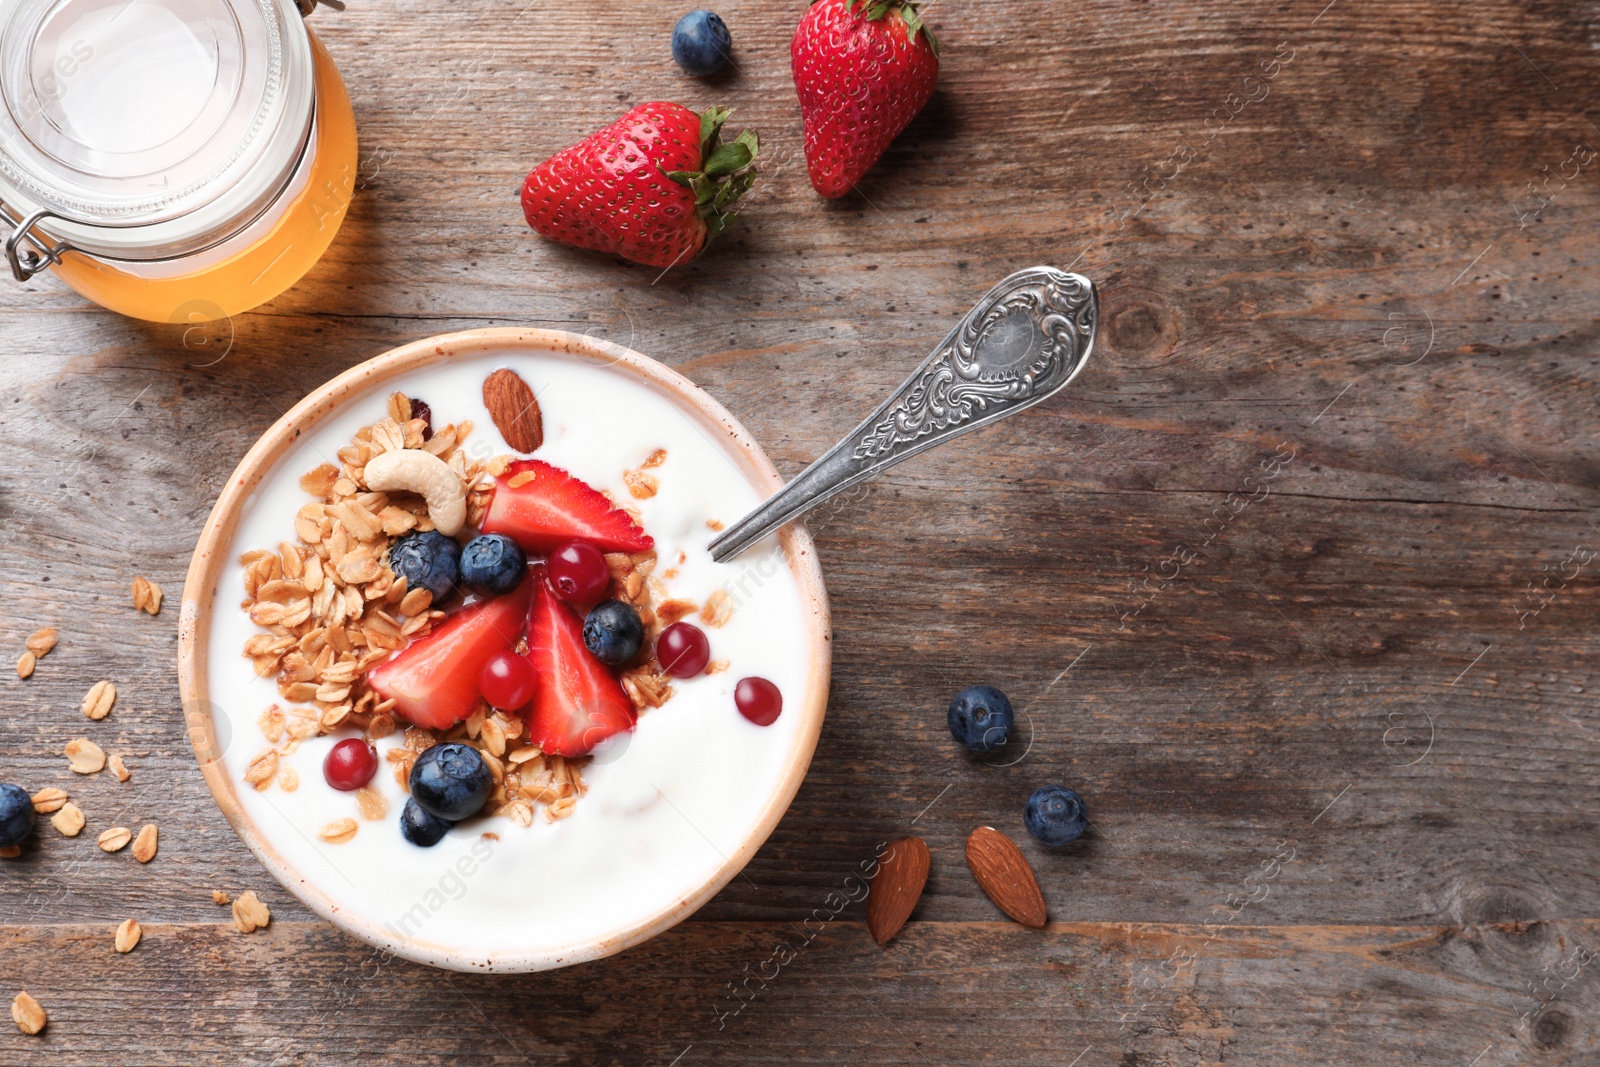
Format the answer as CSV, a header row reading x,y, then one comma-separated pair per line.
x,y
1022,343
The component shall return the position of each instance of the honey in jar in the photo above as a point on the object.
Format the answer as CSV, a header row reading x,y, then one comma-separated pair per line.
x,y
172,160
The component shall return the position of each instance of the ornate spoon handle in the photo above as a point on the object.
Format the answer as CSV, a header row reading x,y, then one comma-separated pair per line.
x,y
1023,342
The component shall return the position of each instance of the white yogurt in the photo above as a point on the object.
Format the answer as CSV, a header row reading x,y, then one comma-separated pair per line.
x,y
666,805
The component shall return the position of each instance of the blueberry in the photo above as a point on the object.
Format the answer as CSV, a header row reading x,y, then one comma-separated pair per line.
x,y
613,632
1055,815
451,781
701,43
16,815
421,828
492,564
428,561
980,718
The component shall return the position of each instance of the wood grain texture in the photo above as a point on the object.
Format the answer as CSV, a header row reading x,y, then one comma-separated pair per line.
x,y
1259,586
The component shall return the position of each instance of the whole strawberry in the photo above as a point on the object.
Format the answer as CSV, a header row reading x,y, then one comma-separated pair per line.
x,y
654,187
863,69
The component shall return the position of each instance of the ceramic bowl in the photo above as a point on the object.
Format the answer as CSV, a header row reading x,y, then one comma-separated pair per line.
x,y
211,676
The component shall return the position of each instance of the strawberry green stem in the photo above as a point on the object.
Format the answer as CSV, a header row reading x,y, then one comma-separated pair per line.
x,y
906,9
726,171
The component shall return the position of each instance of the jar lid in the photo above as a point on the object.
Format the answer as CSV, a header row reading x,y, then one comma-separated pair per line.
x,y
150,128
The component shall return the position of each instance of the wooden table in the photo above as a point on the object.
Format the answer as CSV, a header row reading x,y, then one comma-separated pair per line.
x,y
1332,716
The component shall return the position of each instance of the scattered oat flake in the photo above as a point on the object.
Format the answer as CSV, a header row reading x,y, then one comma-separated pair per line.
x,y
128,935
288,779
262,769
85,757
655,459
99,700
27,1014
119,768
144,846
146,596
49,799
338,831
69,820
115,839
219,897
41,641
249,913
25,665
714,524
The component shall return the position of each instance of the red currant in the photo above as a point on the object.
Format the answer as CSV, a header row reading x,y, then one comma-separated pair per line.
x,y
759,700
506,681
350,764
683,650
578,573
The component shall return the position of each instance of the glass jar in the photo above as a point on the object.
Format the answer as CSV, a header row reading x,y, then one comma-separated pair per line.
x,y
172,160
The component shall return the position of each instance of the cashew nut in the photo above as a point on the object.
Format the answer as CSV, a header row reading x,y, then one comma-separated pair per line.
x,y
427,475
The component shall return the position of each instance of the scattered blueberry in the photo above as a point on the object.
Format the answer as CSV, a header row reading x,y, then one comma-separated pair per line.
x,y
420,827
16,815
492,564
613,632
451,781
980,718
1055,815
701,43
428,561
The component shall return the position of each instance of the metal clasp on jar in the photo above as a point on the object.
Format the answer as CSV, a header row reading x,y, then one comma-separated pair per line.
x,y
39,253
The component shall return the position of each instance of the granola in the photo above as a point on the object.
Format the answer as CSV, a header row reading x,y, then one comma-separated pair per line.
x,y
330,607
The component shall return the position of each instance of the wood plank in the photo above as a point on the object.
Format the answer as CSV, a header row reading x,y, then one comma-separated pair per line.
x,y
1100,993
1350,665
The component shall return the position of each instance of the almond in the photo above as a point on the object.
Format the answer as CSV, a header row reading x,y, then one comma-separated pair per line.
x,y
515,411
1003,873
896,888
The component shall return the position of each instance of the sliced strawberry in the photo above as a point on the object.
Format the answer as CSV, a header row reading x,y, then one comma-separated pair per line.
x,y
578,703
434,681
541,507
